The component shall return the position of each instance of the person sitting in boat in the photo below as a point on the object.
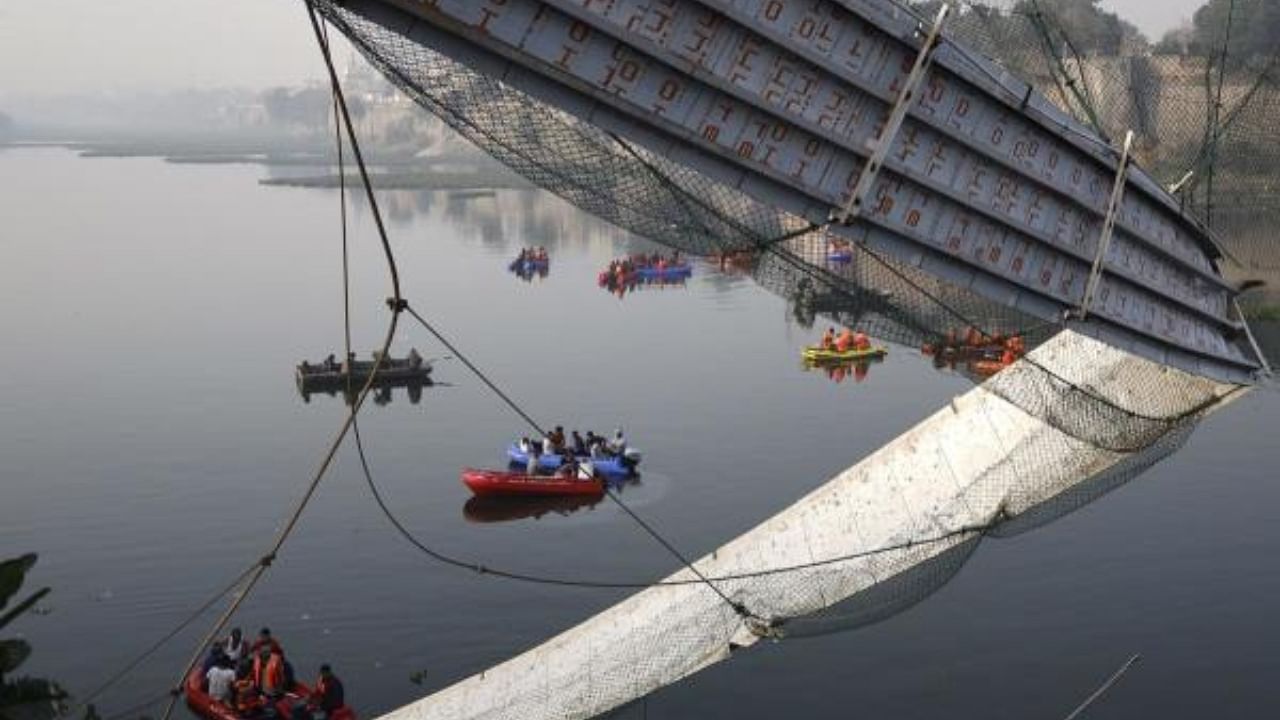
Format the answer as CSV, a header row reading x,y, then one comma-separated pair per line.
x,y
531,465
331,362
215,656
556,438
328,695
265,639
595,444
861,341
829,339
415,360
267,677
220,680
618,446
579,445
568,467
525,446
844,343
235,646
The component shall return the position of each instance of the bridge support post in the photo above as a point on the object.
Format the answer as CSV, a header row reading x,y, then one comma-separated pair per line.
x,y
901,106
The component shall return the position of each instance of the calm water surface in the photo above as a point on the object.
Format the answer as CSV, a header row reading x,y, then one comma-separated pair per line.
x,y
152,440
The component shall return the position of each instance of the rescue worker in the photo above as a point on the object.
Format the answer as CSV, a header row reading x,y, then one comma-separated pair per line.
x,y
265,638
328,694
268,675
861,341
829,339
844,343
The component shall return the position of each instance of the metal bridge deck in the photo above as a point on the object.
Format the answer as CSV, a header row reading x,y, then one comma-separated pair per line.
x,y
985,183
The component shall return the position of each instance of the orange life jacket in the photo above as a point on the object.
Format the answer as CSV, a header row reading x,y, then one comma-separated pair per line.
x,y
845,341
269,678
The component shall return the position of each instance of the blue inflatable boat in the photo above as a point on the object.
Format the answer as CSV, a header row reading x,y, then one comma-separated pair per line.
x,y
671,272
611,466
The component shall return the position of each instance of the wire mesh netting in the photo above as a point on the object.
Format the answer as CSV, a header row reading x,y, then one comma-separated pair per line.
x,y
1207,110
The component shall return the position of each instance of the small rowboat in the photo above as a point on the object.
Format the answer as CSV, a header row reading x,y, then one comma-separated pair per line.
x,y
206,707
611,466
819,355
498,482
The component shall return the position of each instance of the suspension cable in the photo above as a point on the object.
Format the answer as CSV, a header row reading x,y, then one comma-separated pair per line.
x,y
515,407
480,568
260,569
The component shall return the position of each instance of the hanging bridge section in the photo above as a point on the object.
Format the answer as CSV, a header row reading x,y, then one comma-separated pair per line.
x,y
860,117
871,541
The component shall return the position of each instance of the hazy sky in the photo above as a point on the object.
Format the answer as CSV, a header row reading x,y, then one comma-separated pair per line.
x,y
75,46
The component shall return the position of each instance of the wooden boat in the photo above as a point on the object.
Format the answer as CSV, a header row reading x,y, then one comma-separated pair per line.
x,y
500,482
328,375
206,707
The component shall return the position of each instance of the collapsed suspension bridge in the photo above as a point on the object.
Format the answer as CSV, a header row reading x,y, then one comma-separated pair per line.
x,y
771,126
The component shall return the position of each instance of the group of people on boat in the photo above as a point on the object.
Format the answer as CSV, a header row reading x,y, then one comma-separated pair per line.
x,y
331,364
251,677
845,341
973,341
530,263
577,451
537,254
624,274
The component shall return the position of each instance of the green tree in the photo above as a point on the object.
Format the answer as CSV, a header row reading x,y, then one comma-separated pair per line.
x,y
1089,28
22,698
1255,31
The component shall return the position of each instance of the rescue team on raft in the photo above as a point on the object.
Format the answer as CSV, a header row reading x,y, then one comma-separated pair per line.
x,y
844,342
577,452
250,678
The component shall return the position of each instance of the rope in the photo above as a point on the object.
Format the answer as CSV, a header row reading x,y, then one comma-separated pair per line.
x,y
1115,677
483,569
257,572
160,642
515,407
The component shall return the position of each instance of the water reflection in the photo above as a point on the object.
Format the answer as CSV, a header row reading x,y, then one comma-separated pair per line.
x,y
504,219
838,372
381,396
496,508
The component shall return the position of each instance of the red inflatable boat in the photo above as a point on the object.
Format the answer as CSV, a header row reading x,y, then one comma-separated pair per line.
x,y
206,707
498,482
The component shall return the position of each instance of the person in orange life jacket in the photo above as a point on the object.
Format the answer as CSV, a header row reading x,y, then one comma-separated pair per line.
x,y
328,693
265,638
845,342
860,341
268,676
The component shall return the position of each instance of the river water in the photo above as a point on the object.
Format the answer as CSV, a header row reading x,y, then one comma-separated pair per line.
x,y
152,440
